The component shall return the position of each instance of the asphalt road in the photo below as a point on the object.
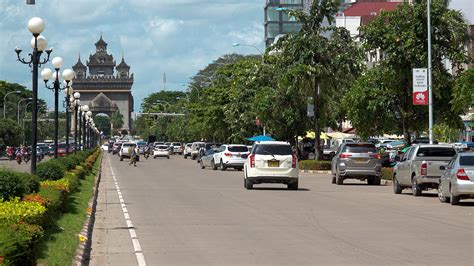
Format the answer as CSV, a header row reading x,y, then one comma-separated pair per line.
x,y
176,213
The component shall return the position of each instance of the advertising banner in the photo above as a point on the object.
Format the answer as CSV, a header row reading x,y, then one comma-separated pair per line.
x,y
420,86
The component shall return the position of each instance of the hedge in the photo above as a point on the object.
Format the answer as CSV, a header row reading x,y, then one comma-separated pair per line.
x,y
29,206
315,165
15,184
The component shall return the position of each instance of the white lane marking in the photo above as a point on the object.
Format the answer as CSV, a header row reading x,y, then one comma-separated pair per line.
x,y
131,230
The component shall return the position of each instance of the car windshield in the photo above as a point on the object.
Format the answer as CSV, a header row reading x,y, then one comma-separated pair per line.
x,y
61,146
176,144
360,148
436,152
466,160
238,149
273,149
162,147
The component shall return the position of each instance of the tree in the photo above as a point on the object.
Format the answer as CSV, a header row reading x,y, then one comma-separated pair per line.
x,y
11,133
317,57
117,120
386,90
463,93
103,123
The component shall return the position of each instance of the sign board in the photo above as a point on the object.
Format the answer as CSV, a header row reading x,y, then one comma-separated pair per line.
x,y
420,86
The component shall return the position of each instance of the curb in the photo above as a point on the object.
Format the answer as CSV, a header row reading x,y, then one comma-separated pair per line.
x,y
315,172
386,183
85,236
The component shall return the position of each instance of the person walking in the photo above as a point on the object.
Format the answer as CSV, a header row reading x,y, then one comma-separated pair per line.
x,y
133,155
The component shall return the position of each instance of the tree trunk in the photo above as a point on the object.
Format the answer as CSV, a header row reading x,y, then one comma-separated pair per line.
x,y
317,129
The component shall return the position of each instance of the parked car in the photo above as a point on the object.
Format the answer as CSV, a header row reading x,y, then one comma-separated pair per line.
x,y
271,162
233,155
419,167
356,161
457,181
207,160
124,150
195,149
161,151
187,150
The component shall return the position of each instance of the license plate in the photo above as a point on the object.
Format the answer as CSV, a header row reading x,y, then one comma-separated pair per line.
x,y
273,163
360,160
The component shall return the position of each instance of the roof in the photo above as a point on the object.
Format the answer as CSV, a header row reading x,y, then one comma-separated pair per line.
x,y
101,42
369,8
122,64
272,143
79,63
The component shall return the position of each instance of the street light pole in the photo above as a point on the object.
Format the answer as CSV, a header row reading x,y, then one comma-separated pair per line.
x,y
48,74
77,96
18,109
5,102
430,79
35,26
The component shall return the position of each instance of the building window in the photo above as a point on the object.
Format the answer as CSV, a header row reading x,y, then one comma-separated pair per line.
x,y
291,27
273,30
291,2
273,15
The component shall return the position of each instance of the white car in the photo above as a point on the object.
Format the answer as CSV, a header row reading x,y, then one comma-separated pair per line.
x,y
124,150
161,151
176,146
233,155
271,162
187,150
105,147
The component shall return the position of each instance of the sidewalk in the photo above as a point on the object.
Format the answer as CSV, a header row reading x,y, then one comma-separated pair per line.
x,y
111,243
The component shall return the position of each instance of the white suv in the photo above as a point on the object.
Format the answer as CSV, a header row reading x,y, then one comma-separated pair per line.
x,y
271,162
124,153
233,155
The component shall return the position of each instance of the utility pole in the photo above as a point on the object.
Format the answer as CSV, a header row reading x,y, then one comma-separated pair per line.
x,y
430,80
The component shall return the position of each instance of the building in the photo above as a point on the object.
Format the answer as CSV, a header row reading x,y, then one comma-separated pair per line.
x,y
105,86
278,23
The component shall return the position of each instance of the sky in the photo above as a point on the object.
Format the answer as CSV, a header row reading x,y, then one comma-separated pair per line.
x,y
176,37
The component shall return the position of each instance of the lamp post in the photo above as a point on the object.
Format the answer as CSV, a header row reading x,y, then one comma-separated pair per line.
x,y
36,25
5,102
18,109
68,101
84,109
47,74
430,80
248,45
76,103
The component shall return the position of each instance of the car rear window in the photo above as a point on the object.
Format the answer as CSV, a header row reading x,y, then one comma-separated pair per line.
x,y
238,149
162,147
360,148
269,149
436,152
61,146
466,160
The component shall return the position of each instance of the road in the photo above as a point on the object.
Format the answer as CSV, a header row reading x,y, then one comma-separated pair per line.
x,y
184,215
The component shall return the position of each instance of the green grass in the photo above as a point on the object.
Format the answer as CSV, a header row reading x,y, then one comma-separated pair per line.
x,y
61,240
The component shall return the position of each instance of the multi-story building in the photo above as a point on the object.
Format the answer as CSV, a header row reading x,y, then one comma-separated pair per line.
x,y
278,23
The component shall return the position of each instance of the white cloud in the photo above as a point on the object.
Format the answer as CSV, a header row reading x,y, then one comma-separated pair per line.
x,y
162,28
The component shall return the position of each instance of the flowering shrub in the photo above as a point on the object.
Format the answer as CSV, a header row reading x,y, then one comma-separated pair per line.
x,y
61,184
35,198
16,211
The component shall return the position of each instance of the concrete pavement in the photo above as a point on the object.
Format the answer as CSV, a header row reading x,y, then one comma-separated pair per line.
x,y
187,216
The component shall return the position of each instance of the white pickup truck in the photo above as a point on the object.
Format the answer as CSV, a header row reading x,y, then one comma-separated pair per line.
x,y
419,168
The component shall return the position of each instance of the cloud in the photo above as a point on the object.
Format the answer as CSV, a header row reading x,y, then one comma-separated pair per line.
x,y
162,28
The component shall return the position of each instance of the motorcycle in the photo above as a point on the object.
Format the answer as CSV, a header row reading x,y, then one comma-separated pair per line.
x,y
26,158
18,158
11,155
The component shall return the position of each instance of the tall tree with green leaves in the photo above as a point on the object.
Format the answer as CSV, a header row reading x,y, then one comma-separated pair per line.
x,y
320,57
386,90
117,120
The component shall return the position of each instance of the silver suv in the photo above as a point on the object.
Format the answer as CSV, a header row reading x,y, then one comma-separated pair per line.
x,y
124,153
356,161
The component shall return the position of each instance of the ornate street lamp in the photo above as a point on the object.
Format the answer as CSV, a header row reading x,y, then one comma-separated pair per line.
x,y
68,101
90,123
84,110
18,109
38,43
68,75
76,105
